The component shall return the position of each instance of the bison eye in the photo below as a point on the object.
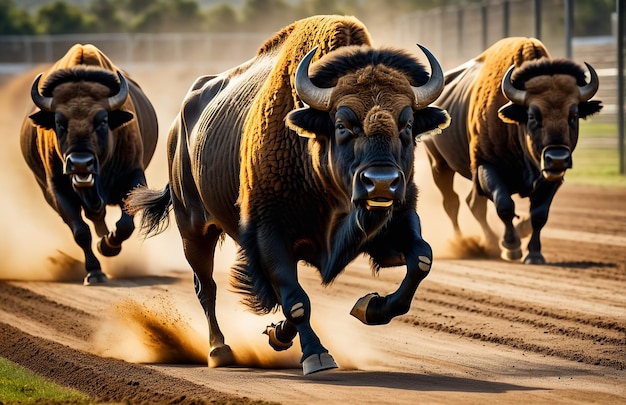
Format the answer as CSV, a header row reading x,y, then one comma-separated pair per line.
x,y
342,133
60,122
103,124
573,116
534,118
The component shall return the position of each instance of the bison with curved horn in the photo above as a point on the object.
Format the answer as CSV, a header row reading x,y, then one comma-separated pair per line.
x,y
88,141
515,113
299,162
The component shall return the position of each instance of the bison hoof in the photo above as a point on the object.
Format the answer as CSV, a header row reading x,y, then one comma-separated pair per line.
x,y
534,258
107,249
512,252
370,309
359,310
276,344
95,277
318,362
221,356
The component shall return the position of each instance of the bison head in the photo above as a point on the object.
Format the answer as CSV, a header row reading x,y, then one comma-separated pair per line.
x,y
82,106
365,109
547,97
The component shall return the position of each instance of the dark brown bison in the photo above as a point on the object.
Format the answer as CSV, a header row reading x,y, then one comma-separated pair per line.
x,y
321,183
514,126
88,142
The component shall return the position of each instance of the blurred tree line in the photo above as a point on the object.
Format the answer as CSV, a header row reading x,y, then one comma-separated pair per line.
x,y
592,17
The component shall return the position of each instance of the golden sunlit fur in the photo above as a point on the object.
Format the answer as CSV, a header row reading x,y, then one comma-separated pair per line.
x,y
262,135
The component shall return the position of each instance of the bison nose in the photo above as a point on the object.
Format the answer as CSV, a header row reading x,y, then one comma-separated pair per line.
x,y
555,160
379,186
81,167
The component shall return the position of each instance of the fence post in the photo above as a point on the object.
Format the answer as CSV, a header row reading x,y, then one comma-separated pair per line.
x,y
537,11
569,22
620,83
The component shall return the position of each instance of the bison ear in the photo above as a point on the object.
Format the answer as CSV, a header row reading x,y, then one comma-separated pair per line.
x,y
513,114
588,108
430,121
44,119
118,118
309,122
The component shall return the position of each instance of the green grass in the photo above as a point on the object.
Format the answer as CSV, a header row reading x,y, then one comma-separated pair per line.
x,y
20,385
596,163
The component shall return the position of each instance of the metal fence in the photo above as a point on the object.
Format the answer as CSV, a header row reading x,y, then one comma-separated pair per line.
x,y
457,33
454,34
220,50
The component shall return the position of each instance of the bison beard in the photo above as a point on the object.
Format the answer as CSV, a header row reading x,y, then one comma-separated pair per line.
x,y
343,187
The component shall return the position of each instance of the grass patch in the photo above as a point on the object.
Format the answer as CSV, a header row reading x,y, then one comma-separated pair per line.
x,y
596,158
18,385
589,129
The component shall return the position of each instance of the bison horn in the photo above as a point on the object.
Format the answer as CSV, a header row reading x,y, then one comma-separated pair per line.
x,y
43,102
426,94
514,94
118,99
589,90
316,97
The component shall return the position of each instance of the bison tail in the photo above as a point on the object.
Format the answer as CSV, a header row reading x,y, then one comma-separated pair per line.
x,y
154,206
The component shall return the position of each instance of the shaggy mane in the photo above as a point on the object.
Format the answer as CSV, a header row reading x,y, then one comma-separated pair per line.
x,y
343,30
80,74
352,58
547,66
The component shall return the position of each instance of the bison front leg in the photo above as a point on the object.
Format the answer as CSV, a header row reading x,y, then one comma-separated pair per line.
x,y
282,272
111,242
70,210
401,243
493,186
540,202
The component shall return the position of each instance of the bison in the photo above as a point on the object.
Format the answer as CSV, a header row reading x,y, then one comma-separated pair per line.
x,y
515,113
87,141
297,167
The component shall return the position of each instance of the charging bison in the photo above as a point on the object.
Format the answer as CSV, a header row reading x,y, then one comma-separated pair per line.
x,y
515,117
321,183
88,142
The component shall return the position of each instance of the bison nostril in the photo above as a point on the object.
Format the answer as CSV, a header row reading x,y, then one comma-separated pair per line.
x,y
381,180
367,181
80,162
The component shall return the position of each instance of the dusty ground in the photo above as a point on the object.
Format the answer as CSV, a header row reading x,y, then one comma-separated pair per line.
x,y
479,330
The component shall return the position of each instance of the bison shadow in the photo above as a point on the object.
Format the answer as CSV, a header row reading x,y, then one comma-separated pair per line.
x,y
408,381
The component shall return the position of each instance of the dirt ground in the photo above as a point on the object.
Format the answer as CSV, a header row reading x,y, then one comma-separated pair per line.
x,y
479,330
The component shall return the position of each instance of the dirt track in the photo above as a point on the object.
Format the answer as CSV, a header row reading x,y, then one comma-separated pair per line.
x,y
478,330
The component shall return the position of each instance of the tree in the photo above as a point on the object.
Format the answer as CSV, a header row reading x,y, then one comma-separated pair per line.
x,y
62,18
106,14
593,17
171,16
222,18
264,15
14,21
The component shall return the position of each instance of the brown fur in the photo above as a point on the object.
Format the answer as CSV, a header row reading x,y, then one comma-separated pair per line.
x,y
117,143
486,97
291,44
